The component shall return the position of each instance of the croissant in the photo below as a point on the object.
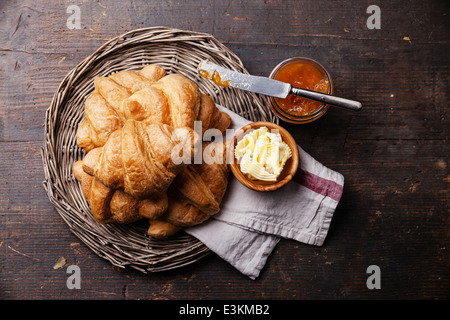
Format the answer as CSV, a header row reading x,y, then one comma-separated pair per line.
x,y
195,194
109,205
139,158
103,108
147,95
194,197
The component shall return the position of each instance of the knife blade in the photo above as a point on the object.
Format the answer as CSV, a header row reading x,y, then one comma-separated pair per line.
x,y
225,77
267,86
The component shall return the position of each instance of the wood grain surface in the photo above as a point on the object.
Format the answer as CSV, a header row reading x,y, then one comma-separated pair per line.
x,y
394,154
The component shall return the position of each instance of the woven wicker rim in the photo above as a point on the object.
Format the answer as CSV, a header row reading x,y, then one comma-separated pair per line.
x,y
177,51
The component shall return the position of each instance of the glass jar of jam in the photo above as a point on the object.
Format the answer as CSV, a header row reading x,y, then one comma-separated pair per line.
x,y
302,73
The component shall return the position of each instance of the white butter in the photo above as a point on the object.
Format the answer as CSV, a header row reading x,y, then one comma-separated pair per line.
x,y
262,154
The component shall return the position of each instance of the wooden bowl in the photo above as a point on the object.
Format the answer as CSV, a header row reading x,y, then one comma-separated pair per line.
x,y
289,169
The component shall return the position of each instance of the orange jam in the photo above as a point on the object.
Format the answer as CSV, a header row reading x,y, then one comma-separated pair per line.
x,y
305,76
215,78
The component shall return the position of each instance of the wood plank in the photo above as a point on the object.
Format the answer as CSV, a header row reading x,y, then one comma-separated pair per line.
x,y
379,82
393,154
400,235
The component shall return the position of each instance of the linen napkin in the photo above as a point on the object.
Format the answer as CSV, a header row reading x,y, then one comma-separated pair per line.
x,y
251,223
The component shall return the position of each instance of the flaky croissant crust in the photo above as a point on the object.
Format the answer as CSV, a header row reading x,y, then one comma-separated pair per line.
x,y
148,95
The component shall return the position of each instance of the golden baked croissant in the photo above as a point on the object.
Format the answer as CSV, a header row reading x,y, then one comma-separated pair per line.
x,y
194,197
139,158
104,107
195,194
148,95
108,205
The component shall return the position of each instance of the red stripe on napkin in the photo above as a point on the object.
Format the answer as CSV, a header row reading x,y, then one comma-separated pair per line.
x,y
319,185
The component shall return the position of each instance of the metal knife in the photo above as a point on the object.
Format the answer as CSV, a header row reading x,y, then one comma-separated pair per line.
x,y
267,86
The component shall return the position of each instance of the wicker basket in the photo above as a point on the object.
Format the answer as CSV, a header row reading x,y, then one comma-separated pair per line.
x,y
175,50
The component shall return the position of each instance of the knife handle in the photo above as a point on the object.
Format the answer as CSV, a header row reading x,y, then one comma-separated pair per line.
x,y
328,99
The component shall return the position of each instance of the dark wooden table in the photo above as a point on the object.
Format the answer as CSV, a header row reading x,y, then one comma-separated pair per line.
x,y
394,154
